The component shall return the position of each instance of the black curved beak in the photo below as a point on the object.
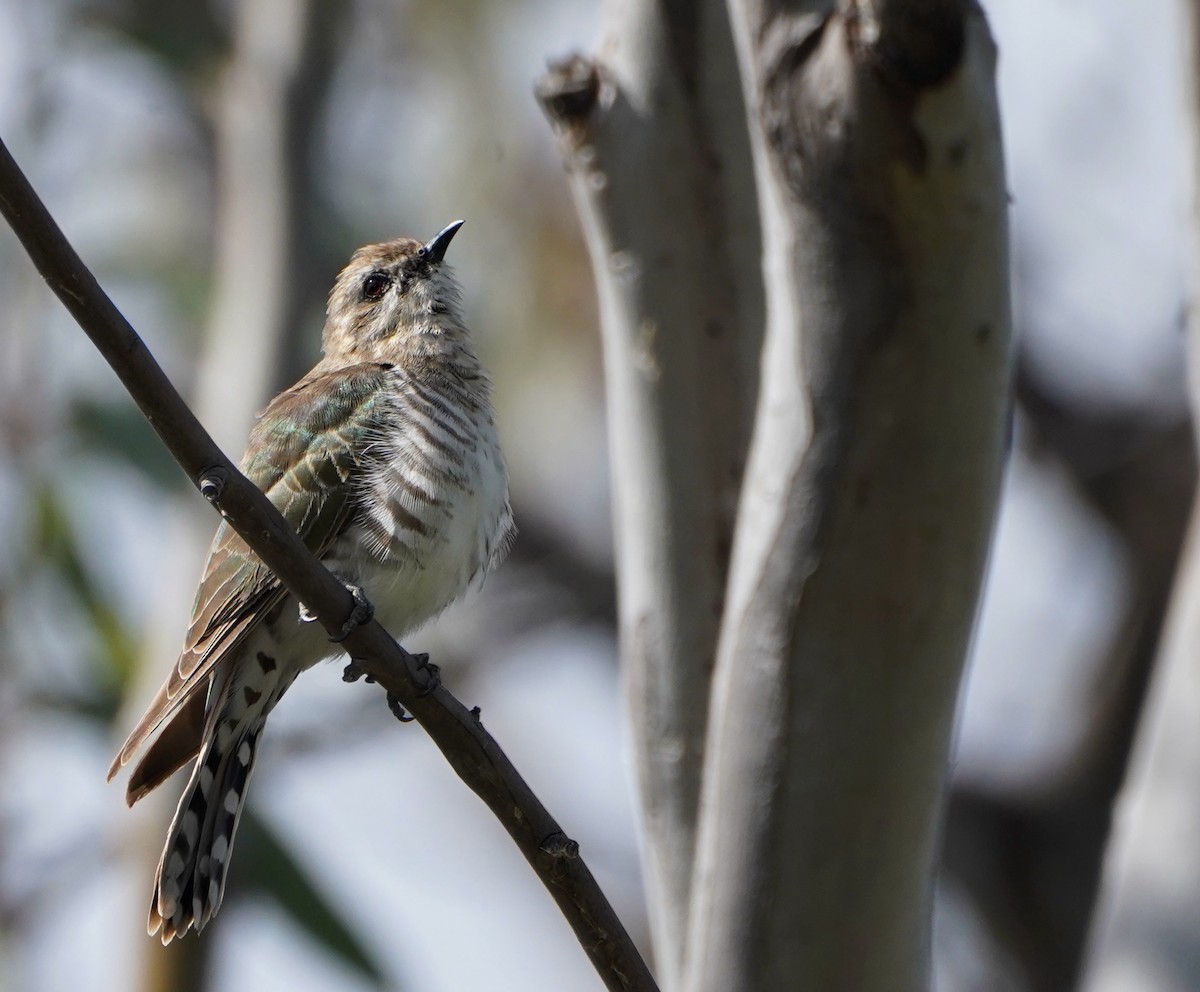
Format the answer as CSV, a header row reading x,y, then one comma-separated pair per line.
x,y
435,250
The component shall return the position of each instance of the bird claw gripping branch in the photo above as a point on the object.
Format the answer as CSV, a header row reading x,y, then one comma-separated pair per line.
x,y
362,614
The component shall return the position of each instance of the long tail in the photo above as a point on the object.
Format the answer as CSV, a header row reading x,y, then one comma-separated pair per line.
x,y
190,882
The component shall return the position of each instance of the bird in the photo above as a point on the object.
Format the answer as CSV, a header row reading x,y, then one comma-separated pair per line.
x,y
385,458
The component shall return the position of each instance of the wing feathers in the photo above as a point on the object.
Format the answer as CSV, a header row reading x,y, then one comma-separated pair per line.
x,y
306,452
178,691
178,744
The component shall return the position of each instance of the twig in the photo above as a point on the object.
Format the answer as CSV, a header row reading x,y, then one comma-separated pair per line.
x,y
470,749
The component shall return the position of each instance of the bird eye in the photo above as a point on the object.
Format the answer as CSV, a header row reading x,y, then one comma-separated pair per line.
x,y
375,285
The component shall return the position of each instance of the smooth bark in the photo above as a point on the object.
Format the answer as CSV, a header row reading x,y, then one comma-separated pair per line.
x,y
656,146
869,497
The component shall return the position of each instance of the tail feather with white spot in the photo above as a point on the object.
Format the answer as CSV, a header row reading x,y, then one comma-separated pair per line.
x,y
190,882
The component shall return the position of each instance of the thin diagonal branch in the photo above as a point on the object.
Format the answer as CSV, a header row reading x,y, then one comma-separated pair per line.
x,y
471,751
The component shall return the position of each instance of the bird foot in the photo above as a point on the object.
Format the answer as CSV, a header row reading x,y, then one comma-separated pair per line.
x,y
433,674
398,710
433,679
420,662
353,672
362,613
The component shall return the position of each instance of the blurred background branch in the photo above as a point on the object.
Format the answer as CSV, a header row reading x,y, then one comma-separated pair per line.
x,y
1149,904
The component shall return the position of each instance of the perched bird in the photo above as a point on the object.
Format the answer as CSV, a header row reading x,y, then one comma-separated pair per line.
x,y
385,459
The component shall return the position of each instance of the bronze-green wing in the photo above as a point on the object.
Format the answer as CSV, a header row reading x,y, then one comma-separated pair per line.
x,y
307,451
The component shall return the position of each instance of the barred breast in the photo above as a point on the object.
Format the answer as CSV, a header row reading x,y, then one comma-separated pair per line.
x,y
434,515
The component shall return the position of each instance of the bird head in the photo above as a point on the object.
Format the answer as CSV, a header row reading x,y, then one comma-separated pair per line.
x,y
394,297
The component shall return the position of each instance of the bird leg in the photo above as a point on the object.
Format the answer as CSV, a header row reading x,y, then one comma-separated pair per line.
x,y
352,672
362,613
398,710
433,674
433,678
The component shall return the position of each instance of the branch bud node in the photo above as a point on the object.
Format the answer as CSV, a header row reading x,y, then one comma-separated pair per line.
x,y
212,483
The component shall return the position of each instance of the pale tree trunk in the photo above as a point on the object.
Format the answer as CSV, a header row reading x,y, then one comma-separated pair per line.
x,y
878,441
659,158
1148,915
869,497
